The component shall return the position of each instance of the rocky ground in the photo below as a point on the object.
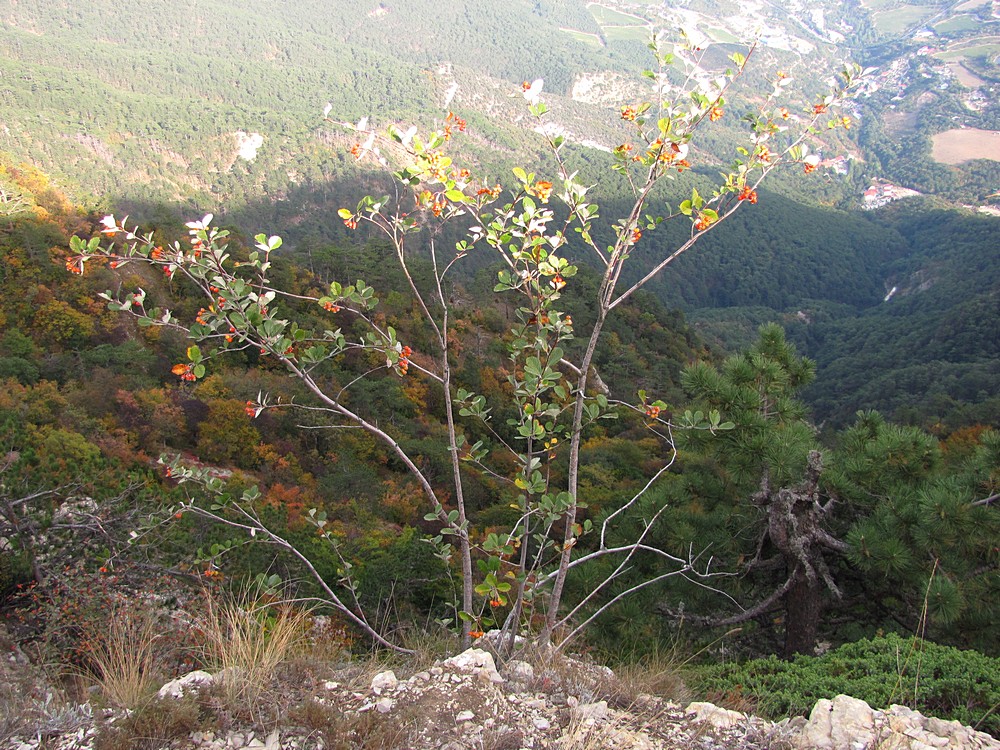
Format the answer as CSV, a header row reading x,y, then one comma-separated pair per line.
x,y
461,703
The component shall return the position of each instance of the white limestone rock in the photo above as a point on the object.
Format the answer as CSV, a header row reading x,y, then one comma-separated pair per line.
x,y
191,681
384,681
520,671
477,662
589,714
721,718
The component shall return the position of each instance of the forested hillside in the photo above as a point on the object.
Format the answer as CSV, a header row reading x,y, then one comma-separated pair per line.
x,y
149,99
223,114
928,355
899,308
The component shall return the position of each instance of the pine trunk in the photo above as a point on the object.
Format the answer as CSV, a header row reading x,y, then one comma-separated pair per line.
x,y
803,608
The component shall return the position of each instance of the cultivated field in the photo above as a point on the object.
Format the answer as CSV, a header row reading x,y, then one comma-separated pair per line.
x,y
982,47
965,144
608,17
585,36
874,5
965,76
972,4
964,22
721,35
898,20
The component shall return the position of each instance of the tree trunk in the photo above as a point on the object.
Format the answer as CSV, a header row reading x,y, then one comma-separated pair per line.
x,y
803,608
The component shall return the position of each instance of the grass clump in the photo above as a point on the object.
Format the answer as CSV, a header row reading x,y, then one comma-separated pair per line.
x,y
153,725
247,636
122,655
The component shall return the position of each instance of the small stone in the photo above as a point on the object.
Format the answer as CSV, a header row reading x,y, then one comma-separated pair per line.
x,y
521,671
384,705
541,723
721,718
191,681
464,716
384,681
422,676
476,661
331,685
590,713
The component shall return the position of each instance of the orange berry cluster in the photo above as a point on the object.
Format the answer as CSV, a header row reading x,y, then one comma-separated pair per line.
x,y
404,359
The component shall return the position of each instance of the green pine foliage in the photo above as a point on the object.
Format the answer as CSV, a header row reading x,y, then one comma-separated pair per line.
x,y
922,537
937,680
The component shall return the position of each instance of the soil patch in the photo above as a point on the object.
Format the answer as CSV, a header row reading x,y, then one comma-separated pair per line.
x,y
965,144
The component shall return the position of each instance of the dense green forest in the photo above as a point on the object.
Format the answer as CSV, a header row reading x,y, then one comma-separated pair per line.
x,y
925,356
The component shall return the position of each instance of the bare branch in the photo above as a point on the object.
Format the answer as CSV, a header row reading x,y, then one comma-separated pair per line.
x,y
986,500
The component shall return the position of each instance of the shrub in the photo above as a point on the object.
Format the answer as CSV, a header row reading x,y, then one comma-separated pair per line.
x,y
541,420
937,680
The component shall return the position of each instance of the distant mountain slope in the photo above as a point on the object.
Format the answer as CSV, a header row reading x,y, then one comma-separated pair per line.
x,y
164,110
153,100
932,352
148,98
904,314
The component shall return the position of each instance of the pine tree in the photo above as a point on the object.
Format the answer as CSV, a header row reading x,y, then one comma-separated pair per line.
x,y
925,541
775,468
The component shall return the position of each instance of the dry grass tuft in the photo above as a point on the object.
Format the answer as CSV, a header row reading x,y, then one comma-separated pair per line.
x,y
122,655
339,730
246,638
658,674
153,726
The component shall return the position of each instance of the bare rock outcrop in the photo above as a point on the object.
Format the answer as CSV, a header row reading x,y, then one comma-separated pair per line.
x,y
846,723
